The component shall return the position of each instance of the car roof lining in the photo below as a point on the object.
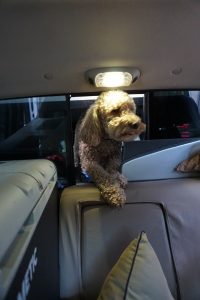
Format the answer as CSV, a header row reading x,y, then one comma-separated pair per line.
x,y
47,46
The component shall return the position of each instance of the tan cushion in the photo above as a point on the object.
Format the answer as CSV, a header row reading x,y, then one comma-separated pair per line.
x,y
81,192
136,275
192,164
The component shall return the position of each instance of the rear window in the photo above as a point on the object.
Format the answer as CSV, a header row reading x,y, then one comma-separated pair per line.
x,y
43,127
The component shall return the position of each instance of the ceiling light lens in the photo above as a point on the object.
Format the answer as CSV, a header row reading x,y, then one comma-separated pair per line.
x,y
113,79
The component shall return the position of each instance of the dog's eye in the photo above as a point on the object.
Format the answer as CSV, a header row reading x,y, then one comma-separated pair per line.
x,y
115,111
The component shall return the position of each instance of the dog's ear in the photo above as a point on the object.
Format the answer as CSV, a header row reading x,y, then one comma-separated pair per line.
x,y
90,129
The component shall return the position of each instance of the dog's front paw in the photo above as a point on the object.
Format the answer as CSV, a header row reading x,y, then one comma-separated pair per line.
x,y
114,196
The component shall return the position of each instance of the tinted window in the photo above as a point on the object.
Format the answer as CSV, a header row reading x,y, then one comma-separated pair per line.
x,y
37,127
174,115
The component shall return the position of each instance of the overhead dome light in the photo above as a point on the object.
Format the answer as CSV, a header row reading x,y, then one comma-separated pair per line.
x,y
113,77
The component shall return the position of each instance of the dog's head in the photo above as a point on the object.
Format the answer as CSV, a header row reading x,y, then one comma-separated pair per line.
x,y
118,113
113,115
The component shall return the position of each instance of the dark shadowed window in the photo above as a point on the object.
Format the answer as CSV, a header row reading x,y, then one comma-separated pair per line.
x,y
37,127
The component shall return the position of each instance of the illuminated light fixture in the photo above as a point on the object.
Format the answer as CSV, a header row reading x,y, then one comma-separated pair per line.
x,y
113,77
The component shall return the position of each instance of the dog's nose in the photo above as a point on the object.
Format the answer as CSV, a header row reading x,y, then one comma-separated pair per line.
x,y
135,125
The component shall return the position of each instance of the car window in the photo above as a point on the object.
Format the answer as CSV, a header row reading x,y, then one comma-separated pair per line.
x,y
167,114
37,127
174,114
44,127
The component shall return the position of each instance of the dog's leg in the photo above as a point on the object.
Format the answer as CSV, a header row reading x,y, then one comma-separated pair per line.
x,y
113,167
121,179
110,189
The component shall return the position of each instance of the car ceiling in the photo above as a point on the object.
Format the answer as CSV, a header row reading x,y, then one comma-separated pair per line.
x,y
46,46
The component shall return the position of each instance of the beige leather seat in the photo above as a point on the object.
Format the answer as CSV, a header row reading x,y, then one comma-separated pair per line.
x,y
93,235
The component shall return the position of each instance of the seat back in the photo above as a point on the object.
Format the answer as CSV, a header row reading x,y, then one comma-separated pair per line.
x,y
93,235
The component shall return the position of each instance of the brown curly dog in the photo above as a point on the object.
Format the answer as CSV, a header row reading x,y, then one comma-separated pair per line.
x,y
106,124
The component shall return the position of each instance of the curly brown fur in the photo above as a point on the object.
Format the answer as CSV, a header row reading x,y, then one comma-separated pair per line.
x,y
107,123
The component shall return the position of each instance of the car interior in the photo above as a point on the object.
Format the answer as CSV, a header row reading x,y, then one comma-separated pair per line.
x,y
59,238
